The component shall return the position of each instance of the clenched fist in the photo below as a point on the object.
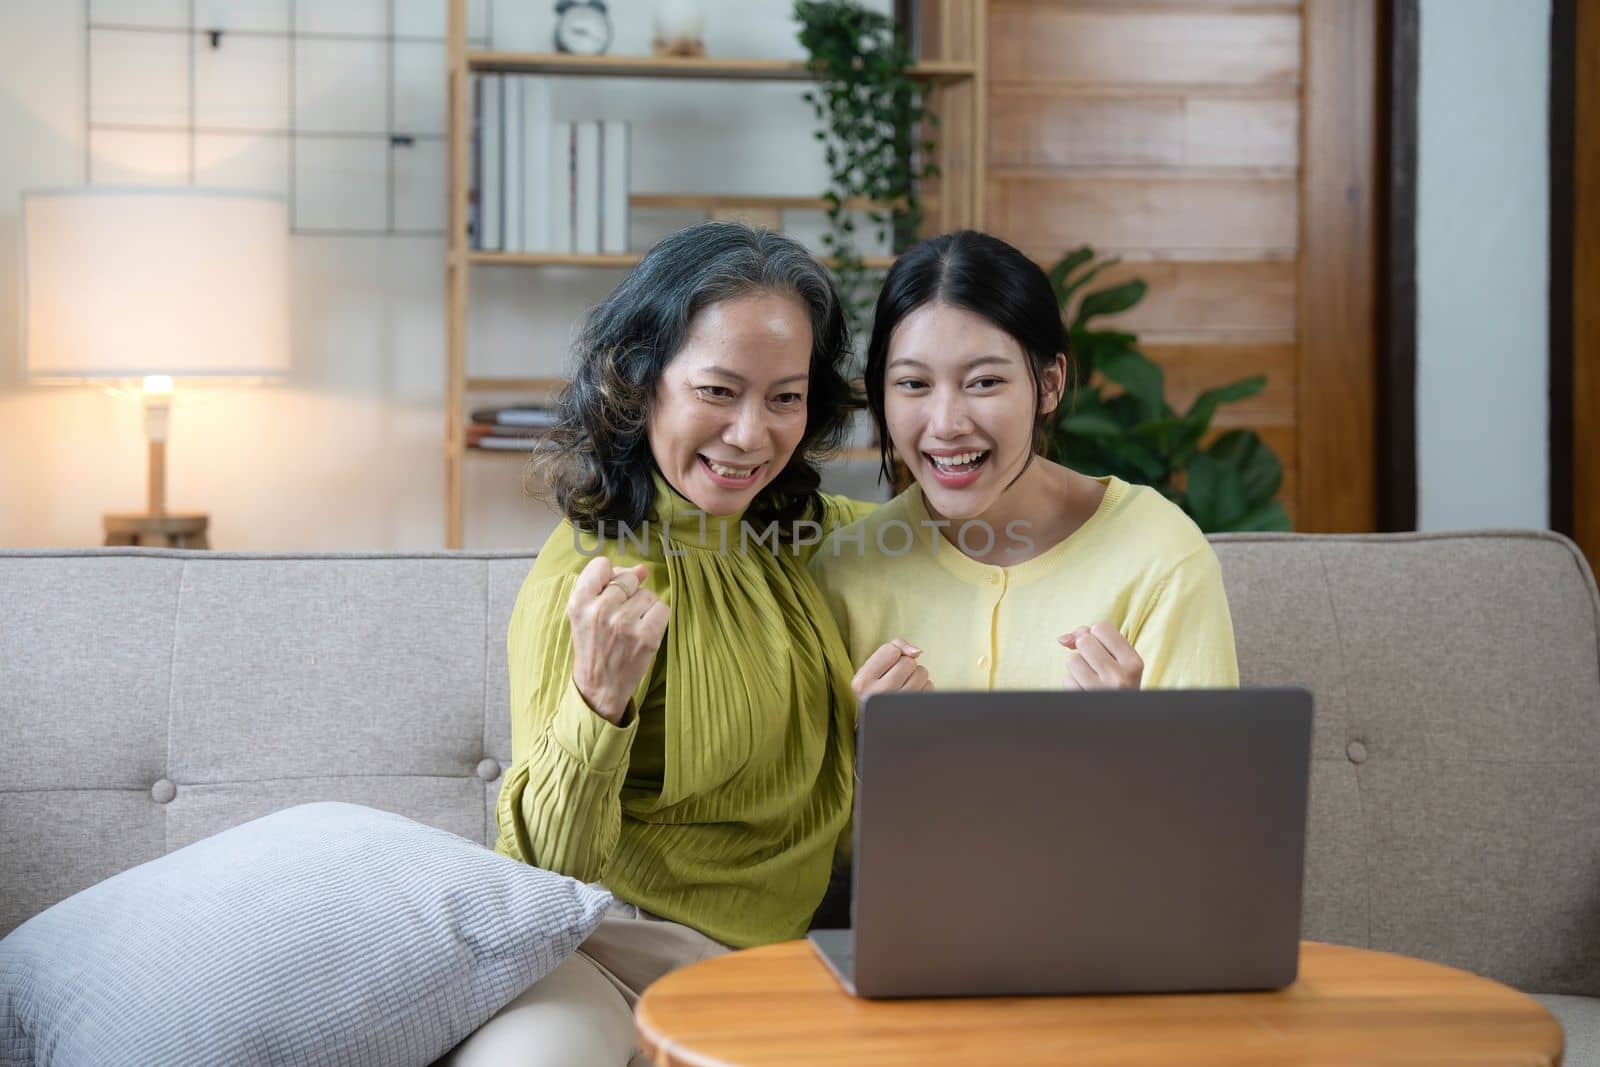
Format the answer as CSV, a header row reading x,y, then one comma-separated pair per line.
x,y
1104,660
617,626
893,667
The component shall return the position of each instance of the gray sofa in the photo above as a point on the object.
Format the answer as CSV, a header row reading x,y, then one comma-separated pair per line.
x,y
150,698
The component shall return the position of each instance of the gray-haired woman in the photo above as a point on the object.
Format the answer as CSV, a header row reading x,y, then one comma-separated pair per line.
x,y
682,720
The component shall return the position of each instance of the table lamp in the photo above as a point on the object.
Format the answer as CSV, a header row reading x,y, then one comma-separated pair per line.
x,y
149,286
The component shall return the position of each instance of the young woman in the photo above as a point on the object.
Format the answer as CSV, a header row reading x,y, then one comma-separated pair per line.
x,y
681,712
1000,569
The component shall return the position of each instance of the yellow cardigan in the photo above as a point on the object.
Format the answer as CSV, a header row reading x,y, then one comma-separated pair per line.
x,y
1138,562
720,803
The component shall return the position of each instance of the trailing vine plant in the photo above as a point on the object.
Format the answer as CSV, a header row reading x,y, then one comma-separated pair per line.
x,y
871,111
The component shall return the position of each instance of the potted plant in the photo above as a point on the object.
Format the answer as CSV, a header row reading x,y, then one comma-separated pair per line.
x,y
1117,419
870,109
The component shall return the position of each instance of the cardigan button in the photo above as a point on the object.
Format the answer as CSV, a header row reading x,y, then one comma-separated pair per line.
x,y
488,769
1356,751
163,791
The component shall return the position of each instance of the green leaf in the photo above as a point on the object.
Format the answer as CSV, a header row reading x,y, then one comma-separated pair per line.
x,y
1089,347
1216,496
1091,424
1268,516
1125,409
1111,301
1260,470
1065,296
1132,461
1064,267
1198,419
1138,375
1158,434
1231,393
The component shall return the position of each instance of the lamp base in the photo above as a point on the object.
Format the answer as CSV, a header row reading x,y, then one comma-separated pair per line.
x,y
171,529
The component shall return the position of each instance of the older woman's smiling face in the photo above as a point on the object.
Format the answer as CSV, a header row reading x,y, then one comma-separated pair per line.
x,y
730,407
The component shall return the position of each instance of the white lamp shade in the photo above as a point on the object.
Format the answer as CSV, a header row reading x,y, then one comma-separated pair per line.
x,y
125,283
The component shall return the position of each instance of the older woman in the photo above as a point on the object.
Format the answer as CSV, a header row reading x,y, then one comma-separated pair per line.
x,y
681,708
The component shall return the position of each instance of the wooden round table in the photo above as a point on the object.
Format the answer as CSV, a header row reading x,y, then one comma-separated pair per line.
x,y
780,1005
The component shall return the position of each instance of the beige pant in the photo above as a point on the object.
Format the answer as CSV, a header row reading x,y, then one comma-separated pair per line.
x,y
581,1013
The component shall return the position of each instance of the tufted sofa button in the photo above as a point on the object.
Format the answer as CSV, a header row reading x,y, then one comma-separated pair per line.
x,y
1356,751
163,791
488,769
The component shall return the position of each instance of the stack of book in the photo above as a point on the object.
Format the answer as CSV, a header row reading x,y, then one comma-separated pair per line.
x,y
543,186
511,429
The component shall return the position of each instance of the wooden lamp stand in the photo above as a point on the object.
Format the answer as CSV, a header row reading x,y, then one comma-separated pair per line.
x,y
157,527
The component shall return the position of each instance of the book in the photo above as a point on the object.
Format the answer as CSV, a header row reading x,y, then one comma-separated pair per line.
x,y
475,164
525,442
586,184
516,416
559,184
491,191
511,161
538,170
498,429
614,185
478,433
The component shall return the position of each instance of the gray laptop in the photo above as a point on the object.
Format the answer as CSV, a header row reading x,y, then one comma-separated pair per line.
x,y
1106,842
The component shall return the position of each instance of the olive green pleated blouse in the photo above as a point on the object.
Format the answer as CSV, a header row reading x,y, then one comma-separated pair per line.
x,y
720,803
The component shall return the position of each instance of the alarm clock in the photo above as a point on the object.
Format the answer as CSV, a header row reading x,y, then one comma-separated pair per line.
x,y
583,27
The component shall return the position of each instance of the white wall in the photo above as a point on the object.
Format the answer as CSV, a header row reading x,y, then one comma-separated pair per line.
x,y
1483,264
348,454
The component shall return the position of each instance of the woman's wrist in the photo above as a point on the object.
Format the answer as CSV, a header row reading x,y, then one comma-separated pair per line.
x,y
612,709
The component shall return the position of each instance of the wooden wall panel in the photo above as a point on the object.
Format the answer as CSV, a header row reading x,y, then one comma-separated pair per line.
x,y
1047,43
1339,269
1191,302
1224,132
1033,128
1164,218
1192,368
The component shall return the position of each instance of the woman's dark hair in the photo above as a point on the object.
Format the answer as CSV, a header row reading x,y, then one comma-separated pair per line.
x,y
984,275
597,458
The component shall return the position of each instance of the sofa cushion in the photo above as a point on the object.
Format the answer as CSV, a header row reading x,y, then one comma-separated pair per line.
x,y
1580,1019
1455,809
323,933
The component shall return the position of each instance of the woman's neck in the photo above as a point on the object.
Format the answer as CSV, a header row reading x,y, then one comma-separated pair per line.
x,y
1038,511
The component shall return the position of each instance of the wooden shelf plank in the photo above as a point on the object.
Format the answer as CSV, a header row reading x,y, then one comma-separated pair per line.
x,y
491,384
720,69
859,454
520,453
555,259
576,259
714,202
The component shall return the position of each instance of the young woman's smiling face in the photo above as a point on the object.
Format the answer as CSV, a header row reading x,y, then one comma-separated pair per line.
x,y
730,407
959,403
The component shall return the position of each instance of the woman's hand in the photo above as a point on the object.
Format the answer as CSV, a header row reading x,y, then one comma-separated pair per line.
x,y
617,627
892,668
1104,660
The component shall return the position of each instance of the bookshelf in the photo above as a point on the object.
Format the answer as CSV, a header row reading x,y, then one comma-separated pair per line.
x,y
954,68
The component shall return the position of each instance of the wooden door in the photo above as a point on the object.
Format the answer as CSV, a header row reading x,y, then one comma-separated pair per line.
x,y
1226,151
